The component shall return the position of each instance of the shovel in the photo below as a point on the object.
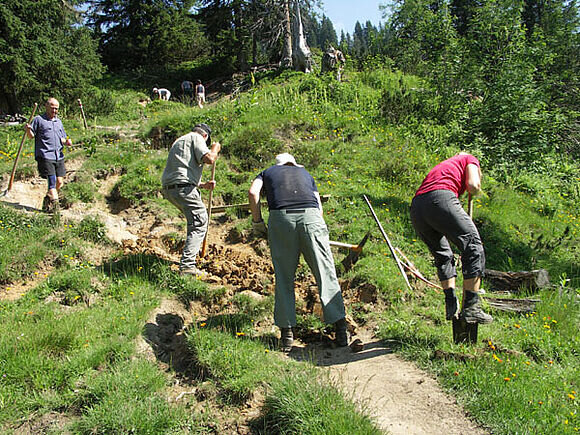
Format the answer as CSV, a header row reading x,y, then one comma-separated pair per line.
x,y
464,332
11,181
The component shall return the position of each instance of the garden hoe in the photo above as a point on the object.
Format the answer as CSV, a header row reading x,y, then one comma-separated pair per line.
x,y
11,180
354,253
463,331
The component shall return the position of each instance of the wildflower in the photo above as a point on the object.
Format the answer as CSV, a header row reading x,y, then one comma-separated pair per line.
x,y
517,326
571,397
455,373
240,334
131,293
495,357
266,351
507,379
202,324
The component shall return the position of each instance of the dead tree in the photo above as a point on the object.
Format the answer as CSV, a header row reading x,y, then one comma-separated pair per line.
x,y
301,56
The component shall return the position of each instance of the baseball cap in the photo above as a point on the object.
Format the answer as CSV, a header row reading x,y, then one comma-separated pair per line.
x,y
284,158
207,129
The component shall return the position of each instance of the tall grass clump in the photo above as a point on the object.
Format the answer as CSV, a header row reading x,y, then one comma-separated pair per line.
x,y
301,402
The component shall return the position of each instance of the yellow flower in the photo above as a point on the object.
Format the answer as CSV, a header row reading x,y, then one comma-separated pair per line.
x,y
202,324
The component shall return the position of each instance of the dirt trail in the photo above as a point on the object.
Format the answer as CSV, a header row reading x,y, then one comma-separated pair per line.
x,y
401,398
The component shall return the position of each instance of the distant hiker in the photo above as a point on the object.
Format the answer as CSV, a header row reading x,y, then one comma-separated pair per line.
x,y
49,140
187,89
296,226
181,182
199,94
161,94
439,218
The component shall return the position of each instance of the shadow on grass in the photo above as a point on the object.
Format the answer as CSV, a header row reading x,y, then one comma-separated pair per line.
x,y
169,344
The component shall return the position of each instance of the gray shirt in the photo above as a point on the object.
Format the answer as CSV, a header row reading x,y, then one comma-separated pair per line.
x,y
184,162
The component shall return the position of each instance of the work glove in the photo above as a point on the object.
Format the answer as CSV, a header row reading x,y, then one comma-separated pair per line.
x,y
259,229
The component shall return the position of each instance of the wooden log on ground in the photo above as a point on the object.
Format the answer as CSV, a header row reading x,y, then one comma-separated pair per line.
x,y
513,305
516,281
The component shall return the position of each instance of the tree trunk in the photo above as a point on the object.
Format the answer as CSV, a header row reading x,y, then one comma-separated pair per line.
x,y
301,56
516,281
286,61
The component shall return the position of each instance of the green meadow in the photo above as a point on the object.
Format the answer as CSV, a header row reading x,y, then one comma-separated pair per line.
x,y
68,344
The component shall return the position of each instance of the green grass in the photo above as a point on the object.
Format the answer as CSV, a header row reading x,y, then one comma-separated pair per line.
x,y
76,355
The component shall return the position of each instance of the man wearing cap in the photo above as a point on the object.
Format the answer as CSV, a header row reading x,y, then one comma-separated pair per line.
x,y
181,182
295,226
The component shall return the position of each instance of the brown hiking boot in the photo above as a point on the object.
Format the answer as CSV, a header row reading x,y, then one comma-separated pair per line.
x,y
50,205
472,312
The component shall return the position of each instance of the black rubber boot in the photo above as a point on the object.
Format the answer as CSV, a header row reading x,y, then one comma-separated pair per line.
x,y
340,333
472,312
286,339
451,304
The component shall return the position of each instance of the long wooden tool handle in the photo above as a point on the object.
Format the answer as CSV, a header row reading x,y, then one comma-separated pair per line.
x,y
202,253
470,206
11,181
399,265
83,114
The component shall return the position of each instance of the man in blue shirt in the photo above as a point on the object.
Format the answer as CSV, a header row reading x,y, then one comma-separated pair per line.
x,y
296,226
49,140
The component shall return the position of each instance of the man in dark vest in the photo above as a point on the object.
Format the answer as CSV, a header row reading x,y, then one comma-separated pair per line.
x,y
296,226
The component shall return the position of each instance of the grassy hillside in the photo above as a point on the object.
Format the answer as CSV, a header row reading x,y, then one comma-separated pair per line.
x,y
356,137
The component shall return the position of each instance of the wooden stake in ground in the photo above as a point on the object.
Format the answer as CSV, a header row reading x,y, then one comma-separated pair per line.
x,y
83,114
202,253
11,181
399,265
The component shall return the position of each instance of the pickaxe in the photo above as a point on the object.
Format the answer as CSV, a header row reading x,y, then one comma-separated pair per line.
x,y
354,253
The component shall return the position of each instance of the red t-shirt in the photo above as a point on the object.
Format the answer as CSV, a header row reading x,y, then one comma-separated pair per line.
x,y
448,175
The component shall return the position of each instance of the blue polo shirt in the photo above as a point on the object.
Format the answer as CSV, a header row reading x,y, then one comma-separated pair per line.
x,y
47,138
289,187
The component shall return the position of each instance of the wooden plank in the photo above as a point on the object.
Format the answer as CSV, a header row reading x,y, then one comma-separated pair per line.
x,y
513,305
246,206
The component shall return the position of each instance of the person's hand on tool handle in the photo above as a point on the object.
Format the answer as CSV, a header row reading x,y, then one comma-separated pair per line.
x,y
259,229
29,132
208,185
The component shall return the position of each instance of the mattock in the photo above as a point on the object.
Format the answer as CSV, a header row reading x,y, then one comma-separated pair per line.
x,y
355,251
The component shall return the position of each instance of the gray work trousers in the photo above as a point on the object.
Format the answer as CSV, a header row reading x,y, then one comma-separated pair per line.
x,y
291,234
188,201
438,219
